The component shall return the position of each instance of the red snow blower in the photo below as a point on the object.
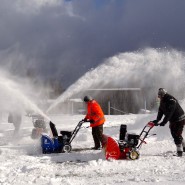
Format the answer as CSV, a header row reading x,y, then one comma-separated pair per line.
x,y
128,145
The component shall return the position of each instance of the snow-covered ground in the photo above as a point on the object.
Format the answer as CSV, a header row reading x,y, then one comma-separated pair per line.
x,y
21,161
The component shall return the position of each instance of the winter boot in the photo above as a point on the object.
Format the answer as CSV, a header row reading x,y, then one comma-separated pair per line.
x,y
183,145
179,153
179,150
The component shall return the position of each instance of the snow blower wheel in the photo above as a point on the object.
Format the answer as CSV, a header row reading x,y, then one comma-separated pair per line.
x,y
67,148
133,155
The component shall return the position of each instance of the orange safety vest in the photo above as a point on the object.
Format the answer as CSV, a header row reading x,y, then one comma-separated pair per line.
x,y
95,113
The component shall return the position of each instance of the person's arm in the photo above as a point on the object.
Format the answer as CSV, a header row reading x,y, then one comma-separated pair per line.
x,y
159,115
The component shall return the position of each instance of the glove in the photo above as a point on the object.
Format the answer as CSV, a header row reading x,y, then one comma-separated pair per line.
x,y
85,120
91,121
155,122
162,124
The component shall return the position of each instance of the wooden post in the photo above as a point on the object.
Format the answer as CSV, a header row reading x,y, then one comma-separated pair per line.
x,y
108,107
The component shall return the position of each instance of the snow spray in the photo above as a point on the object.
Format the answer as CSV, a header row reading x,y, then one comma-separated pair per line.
x,y
13,99
141,69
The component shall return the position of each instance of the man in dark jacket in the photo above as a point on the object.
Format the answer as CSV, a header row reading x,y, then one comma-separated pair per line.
x,y
173,112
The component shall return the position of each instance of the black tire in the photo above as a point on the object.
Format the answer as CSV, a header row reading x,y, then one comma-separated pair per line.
x,y
67,148
44,152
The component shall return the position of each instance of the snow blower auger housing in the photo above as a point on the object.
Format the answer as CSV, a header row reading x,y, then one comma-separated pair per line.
x,y
59,143
128,145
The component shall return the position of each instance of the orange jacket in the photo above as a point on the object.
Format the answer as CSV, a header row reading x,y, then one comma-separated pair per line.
x,y
95,113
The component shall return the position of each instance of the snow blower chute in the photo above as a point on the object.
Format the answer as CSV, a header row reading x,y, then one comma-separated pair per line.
x,y
128,145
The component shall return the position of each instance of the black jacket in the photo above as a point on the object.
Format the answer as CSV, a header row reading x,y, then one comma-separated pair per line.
x,y
170,108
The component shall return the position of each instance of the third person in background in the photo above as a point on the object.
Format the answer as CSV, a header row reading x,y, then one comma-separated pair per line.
x,y
173,112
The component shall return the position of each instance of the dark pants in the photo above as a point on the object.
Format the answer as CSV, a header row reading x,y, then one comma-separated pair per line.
x,y
97,133
176,129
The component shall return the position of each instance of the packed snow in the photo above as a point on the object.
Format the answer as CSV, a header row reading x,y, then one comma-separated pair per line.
x,y
23,163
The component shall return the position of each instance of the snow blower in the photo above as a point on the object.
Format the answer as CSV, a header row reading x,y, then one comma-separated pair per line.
x,y
39,126
128,145
59,143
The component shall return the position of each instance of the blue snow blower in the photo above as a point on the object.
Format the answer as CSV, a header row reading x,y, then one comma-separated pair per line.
x,y
59,143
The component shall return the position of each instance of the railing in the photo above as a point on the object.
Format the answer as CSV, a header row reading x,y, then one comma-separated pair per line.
x,y
109,108
119,110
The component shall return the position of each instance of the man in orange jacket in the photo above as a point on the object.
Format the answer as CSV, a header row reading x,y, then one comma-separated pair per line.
x,y
96,117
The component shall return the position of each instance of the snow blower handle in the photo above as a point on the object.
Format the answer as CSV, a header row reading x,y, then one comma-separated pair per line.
x,y
144,133
85,120
156,122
